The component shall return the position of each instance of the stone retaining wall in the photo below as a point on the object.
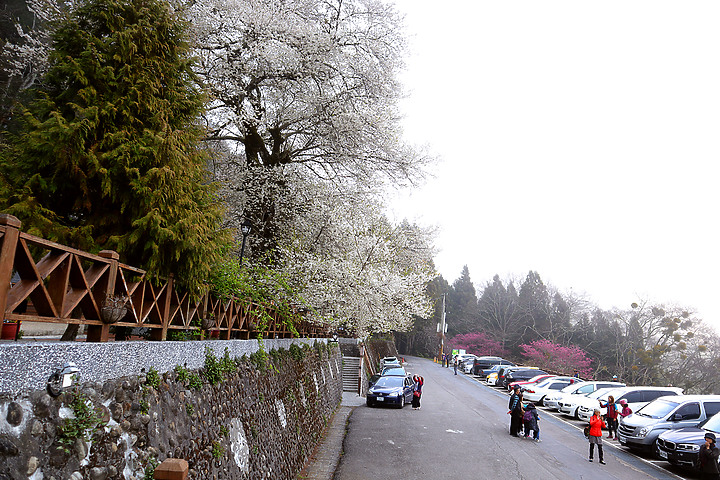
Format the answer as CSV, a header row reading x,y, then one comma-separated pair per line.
x,y
261,420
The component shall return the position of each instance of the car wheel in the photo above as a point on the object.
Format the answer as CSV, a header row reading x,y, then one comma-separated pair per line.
x,y
402,401
541,402
369,403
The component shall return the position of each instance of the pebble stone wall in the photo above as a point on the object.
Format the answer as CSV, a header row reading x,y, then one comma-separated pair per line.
x,y
256,423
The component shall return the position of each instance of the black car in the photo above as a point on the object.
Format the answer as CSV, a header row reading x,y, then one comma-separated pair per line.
x,y
391,390
481,364
502,373
682,447
521,375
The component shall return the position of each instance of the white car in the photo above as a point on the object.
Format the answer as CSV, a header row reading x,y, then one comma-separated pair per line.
x,y
467,367
492,379
636,398
581,388
536,393
569,404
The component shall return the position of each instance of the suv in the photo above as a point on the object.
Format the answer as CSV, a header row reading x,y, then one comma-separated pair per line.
x,y
641,429
481,364
681,447
636,398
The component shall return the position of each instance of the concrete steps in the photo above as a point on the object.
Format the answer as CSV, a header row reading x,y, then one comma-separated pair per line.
x,y
350,373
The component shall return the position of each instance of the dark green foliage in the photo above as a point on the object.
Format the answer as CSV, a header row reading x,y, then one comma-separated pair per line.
x,y
86,418
296,352
182,373
461,305
152,378
108,153
212,371
194,381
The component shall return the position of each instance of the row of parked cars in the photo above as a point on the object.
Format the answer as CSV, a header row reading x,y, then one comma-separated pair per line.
x,y
392,385
664,421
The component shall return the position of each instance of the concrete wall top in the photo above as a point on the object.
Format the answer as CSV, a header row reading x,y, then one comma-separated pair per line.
x,y
26,366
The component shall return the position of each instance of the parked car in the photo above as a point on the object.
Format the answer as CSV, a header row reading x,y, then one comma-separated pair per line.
x,y
636,398
465,359
387,361
682,447
570,404
521,375
641,429
391,390
494,369
393,370
503,372
552,401
537,393
486,363
491,379
467,367
530,381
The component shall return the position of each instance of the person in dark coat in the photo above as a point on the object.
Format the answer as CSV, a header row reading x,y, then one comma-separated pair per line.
x,y
530,419
516,411
709,454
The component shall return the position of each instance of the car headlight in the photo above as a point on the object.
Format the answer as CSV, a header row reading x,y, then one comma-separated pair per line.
x,y
688,447
393,394
644,431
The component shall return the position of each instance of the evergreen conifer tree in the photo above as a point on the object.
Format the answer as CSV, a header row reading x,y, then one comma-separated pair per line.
x,y
108,155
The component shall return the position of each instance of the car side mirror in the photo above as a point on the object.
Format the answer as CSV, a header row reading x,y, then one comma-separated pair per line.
x,y
677,417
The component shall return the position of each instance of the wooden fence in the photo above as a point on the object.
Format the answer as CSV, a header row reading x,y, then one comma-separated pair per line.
x,y
72,287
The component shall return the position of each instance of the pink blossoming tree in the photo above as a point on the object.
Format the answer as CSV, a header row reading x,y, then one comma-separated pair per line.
x,y
557,358
477,343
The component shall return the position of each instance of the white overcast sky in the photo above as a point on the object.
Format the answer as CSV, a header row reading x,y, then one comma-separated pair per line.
x,y
578,139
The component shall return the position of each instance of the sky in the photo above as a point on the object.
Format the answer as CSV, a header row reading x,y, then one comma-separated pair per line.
x,y
577,139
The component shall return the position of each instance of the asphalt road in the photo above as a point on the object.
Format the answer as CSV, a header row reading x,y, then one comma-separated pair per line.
x,y
462,431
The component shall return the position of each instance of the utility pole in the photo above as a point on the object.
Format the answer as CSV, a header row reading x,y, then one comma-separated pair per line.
x,y
442,329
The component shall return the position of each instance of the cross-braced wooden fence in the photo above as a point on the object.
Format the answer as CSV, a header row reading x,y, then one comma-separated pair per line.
x,y
73,287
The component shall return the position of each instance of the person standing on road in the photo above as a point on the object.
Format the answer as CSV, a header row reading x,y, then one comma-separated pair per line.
x,y
417,392
531,414
612,414
595,435
709,454
455,362
515,411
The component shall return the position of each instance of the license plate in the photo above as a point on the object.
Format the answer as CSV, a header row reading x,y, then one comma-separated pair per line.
x,y
622,439
662,453
380,399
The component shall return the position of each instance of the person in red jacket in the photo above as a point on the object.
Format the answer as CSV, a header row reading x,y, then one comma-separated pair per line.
x,y
595,435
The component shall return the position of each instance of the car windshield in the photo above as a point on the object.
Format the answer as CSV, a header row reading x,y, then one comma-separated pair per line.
x,y
605,393
393,371
570,388
390,382
657,409
712,423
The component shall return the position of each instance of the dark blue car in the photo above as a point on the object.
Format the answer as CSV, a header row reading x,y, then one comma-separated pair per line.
x,y
391,390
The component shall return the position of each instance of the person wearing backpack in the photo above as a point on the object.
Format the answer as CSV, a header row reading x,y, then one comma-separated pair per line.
x,y
530,419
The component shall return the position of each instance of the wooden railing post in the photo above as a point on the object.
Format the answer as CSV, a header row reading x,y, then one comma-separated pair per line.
x,y
101,333
11,227
161,333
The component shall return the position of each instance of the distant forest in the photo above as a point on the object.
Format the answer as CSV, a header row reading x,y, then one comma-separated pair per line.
x,y
645,344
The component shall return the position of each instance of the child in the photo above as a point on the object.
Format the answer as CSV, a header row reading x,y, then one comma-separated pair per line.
x,y
530,419
595,435
625,409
